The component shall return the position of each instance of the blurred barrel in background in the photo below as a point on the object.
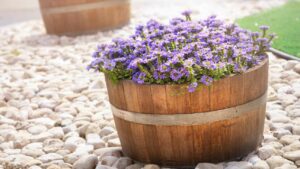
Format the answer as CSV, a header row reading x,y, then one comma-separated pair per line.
x,y
76,17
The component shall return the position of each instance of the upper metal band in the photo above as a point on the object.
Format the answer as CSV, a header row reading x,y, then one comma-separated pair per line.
x,y
190,119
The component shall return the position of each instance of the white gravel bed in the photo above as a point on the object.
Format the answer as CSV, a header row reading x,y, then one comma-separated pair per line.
x,y
55,115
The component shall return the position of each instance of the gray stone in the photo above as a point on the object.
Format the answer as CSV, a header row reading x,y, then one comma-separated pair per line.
x,y
99,166
73,142
37,129
294,112
122,163
290,64
135,166
52,145
151,166
57,132
32,152
289,139
95,140
35,167
109,160
114,142
293,155
50,157
208,165
297,68
239,165
86,162
261,165
106,131
281,132
292,147
53,166
277,161
287,166
108,151
296,130
266,152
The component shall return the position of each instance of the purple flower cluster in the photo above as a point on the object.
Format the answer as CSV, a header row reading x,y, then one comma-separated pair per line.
x,y
182,52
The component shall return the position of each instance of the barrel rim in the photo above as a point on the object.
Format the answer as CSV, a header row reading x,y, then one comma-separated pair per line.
x,y
43,4
260,65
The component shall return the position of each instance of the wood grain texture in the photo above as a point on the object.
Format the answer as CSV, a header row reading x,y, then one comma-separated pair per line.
x,y
175,99
187,145
75,17
159,99
118,98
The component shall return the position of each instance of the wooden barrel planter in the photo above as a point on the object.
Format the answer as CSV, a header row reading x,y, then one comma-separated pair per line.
x,y
75,17
216,123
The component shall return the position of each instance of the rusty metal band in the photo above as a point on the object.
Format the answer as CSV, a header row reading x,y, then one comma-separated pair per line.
x,y
190,119
87,6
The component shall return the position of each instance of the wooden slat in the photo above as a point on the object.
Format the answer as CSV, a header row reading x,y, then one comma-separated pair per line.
x,y
165,149
159,98
145,99
182,141
131,96
265,76
116,94
178,100
236,90
125,135
255,82
152,144
139,140
199,100
220,94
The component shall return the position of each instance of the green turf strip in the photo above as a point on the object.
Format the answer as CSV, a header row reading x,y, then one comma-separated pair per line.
x,y
284,21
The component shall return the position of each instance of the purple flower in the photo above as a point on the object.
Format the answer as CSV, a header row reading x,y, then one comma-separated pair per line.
x,y
182,52
272,36
186,13
206,80
95,54
139,31
262,40
121,59
255,34
264,27
134,63
164,68
139,77
221,65
109,65
176,74
192,87
189,62
159,75
176,21
209,64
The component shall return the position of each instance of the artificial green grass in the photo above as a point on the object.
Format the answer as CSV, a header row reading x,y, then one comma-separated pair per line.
x,y
284,21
